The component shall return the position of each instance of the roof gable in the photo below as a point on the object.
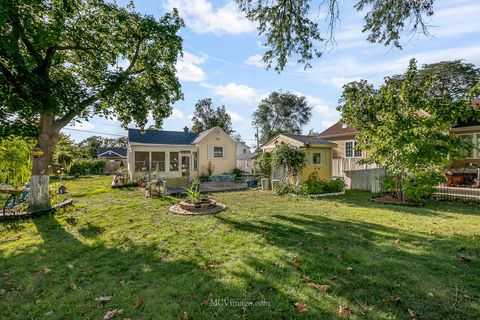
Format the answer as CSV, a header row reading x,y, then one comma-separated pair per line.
x,y
338,130
111,152
204,134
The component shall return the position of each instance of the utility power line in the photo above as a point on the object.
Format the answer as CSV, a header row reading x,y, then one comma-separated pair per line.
x,y
96,132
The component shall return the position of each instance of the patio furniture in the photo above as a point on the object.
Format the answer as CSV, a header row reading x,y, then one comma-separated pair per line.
x,y
16,197
222,177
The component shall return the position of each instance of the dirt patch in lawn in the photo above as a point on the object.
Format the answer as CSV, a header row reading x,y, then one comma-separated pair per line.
x,y
388,199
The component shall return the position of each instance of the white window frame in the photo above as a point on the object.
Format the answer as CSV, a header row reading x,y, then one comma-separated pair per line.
x,y
354,143
476,144
223,152
313,158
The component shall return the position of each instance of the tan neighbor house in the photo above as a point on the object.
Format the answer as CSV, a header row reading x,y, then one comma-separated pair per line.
x,y
344,136
174,154
318,150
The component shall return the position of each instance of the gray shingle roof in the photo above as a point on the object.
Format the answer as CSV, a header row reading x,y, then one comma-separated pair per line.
x,y
309,139
161,137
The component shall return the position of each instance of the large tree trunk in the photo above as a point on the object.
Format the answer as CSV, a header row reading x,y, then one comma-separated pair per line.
x,y
39,196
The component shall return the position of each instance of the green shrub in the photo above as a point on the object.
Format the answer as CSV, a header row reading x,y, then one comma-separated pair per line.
x,y
415,188
318,186
88,166
421,186
237,171
265,165
283,189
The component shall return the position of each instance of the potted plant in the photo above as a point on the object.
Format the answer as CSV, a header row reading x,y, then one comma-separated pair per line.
x,y
195,201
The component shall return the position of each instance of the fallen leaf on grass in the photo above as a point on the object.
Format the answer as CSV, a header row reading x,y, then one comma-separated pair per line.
x,y
211,266
339,257
411,313
185,316
397,241
305,278
350,269
295,262
70,266
327,248
301,307
100,301
416,243
72,286
397,299
319,287
139,303
46,270
206,302
465,258
343,310
112,314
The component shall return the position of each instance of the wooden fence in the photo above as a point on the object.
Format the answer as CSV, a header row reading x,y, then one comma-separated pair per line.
x,y
358,176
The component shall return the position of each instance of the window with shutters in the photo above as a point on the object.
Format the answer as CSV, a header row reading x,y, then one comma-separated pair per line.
x,y
218,152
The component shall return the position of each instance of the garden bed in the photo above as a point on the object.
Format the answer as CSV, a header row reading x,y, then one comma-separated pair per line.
x,y
318,195
387,199
30,214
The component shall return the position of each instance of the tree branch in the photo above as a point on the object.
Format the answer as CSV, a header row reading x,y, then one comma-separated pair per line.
x,y
11,78
74,47
62,122
23,36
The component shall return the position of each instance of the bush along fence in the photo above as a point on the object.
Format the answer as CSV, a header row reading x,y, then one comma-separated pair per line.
x,y
313,188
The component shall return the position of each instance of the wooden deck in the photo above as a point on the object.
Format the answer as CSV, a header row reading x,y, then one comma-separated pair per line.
x,y
221,186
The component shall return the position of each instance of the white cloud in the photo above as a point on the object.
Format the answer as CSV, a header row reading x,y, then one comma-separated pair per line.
x,y
188,69
255,60
352,69
83,125
235,92
201,17
176,114
236,117
455,21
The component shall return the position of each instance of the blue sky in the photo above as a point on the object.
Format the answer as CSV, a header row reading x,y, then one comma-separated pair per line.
x,y
222,51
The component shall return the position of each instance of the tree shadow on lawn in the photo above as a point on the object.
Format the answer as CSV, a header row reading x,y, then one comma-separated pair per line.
x,y
62,276
431,208
425,272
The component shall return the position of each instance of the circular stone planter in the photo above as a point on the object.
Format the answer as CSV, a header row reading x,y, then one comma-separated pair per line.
x,y
396,202
204,207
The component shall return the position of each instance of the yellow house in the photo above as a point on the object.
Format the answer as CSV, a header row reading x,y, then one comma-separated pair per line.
x,y
173,154
318,151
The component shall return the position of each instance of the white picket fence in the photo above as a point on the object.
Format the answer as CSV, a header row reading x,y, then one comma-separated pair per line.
x,y
358,176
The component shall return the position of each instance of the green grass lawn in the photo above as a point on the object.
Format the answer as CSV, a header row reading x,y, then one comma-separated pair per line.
x,y
378,261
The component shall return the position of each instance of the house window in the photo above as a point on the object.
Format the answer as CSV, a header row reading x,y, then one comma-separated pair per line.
x,y
142,161
173,161
351,150
217,152
474,152
317,158
244,151
195,160
158,161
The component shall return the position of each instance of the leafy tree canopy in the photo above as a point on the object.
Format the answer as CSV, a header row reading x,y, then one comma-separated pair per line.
x,y
68,60
66,152
281,112
15,161
206,116
403,126
293,28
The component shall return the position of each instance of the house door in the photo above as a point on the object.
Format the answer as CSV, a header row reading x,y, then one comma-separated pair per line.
x,y
185,165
